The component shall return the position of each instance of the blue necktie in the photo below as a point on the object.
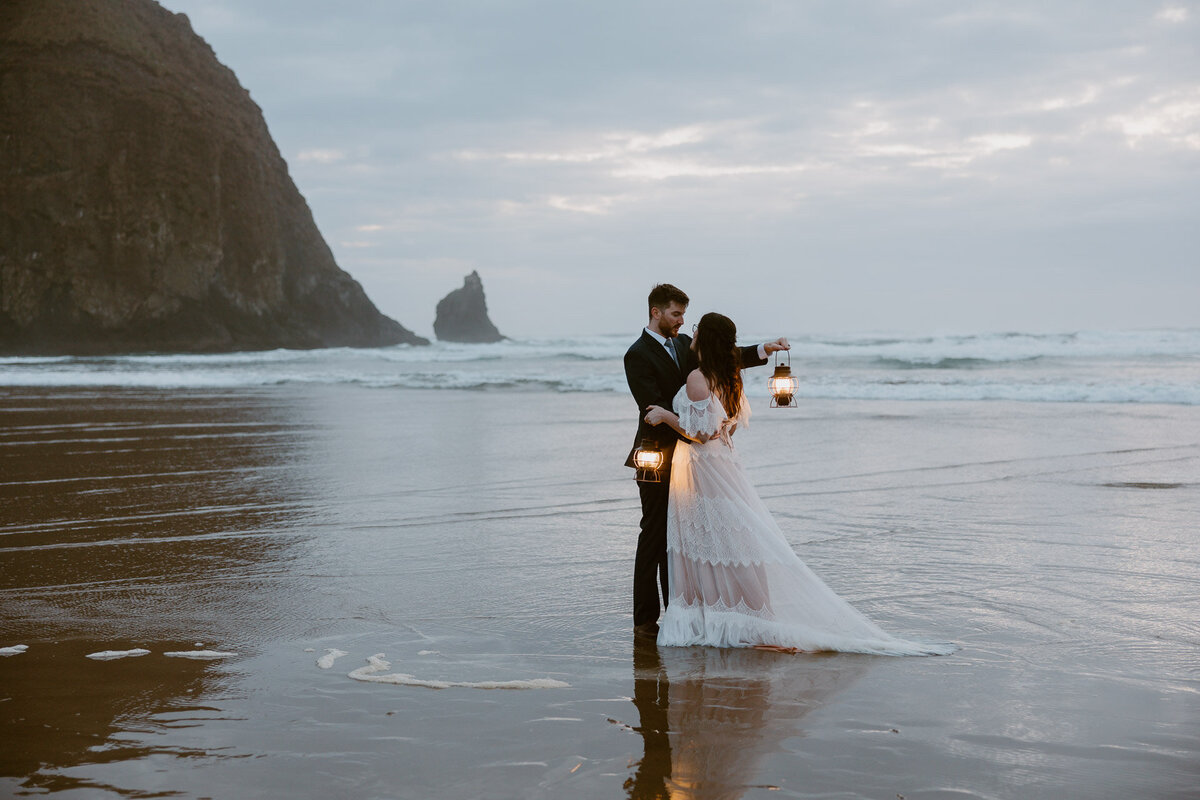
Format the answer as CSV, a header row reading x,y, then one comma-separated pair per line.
x,y
674,355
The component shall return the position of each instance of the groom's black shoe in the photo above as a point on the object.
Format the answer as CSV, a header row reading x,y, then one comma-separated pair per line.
x,y
646,629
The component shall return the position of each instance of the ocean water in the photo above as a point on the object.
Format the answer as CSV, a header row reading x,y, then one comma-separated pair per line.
x,y
1149,366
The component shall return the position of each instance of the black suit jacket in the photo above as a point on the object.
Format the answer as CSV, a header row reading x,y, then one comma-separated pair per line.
x,y
654,379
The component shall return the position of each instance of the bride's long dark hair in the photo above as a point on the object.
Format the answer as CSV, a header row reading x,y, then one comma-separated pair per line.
x,y
720,359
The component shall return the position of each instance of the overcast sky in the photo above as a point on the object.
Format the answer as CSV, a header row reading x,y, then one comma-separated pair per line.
x,y
805,167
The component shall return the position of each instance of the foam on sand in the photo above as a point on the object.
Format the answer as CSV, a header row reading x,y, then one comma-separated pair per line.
x,y
199,655
110,655
332,654
376,664
15,650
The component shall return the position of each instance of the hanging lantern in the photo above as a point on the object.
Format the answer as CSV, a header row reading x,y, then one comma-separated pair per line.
x,y
782,385
648,459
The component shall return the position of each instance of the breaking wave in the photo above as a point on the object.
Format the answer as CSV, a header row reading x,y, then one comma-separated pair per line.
x,y
1160,366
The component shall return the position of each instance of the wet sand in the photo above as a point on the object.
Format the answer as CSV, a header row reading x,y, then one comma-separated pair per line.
x,y
487,537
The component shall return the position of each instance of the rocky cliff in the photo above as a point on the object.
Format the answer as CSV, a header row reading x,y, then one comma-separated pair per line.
x,y
462,315
143,203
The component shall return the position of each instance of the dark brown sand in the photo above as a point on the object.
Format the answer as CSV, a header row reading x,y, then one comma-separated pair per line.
x,y
482,537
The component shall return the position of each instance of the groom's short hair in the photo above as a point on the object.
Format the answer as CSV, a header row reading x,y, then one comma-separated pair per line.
x,y
663,295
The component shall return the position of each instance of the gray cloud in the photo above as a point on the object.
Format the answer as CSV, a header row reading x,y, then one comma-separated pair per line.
x,y
803,166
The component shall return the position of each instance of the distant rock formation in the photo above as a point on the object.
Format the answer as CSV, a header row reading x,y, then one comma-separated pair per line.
x,y
462,315
143,203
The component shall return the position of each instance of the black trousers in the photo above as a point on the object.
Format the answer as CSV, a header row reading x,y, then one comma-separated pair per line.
x,y
650,562
652,696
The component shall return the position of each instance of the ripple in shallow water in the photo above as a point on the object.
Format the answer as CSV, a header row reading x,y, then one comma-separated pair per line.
x,y
1142,485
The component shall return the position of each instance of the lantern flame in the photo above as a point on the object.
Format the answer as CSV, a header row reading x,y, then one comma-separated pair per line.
x,y
649,461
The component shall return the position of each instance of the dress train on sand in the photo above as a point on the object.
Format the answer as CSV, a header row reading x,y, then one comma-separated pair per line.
x,y
734,579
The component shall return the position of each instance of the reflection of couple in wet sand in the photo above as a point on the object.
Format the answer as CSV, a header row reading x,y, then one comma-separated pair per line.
x,y
708,717
728,576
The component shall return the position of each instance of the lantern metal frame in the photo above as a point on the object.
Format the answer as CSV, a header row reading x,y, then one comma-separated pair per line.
x,y
783,385
649,460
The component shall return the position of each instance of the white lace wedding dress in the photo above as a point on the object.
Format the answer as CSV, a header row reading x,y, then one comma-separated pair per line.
x,y
734,580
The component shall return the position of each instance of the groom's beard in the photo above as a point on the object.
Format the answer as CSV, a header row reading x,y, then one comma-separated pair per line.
x,y
671,331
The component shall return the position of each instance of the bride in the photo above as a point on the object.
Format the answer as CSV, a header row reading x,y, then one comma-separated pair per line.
x,y
734,580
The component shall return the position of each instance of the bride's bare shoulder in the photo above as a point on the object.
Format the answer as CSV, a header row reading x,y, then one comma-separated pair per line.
x,y
697,386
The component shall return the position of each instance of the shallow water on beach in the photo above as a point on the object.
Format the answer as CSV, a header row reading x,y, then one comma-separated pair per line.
x,y
481,537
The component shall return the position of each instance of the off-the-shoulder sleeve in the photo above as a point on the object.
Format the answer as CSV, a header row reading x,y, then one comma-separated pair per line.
x,y
698,416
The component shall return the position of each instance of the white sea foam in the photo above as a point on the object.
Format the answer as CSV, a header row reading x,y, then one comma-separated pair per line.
x,y
997,347
376,664
982,390
15,650
332,654
110,655
1160,366
199,655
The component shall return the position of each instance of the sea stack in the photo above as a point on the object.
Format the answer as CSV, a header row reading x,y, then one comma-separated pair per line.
x,y
143,204
462,315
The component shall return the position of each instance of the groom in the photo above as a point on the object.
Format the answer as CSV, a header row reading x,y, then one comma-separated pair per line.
x,y
656,366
